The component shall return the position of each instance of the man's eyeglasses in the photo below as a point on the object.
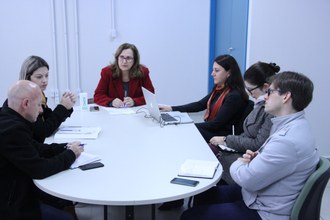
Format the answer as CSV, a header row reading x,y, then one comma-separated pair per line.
x,y
271,91
250,90
127,59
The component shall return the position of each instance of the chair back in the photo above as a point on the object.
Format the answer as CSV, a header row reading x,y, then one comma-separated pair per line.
x,y
308,203
247,110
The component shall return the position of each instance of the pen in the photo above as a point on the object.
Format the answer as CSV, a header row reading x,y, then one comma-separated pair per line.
x,y
69,130
125,95
68,146
233,129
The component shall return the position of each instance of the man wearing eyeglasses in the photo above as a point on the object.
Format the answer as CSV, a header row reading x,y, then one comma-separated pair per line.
x,y
270,179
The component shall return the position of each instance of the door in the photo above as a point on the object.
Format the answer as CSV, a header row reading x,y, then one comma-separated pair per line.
x,y
228,31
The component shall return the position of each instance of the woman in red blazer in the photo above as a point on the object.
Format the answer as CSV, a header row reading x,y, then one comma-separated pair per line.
x,y
121,82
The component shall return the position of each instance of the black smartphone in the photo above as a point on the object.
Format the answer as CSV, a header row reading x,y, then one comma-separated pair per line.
x,y
91,166
94,108
185,182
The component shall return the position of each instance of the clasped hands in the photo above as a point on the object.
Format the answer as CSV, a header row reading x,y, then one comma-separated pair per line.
x,y
68,100
127,102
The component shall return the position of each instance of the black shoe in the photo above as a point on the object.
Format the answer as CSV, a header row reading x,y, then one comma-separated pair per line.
x,y
171,205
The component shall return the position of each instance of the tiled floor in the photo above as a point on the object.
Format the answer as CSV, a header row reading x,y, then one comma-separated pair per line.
x,y
93,212
90,212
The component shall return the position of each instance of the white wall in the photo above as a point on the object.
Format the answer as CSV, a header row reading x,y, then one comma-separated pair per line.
x,y
172,37
295,34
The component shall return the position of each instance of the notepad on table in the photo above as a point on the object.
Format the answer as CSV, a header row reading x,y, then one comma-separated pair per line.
x,y
78,132
198,168
85,158
119,111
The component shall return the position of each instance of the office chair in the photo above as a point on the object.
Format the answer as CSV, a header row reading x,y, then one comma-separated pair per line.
x,y
308,203
247,110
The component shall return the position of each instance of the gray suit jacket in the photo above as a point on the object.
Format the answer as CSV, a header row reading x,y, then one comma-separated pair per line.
x,y
256,128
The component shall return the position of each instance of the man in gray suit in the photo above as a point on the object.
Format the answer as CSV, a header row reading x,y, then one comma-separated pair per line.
x,y
270,179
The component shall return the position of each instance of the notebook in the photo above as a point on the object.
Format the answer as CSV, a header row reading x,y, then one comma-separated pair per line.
x,y
198,168
164,118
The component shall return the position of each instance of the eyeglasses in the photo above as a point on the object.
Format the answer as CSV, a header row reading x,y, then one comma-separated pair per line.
x,y
250,90
127,59
271,91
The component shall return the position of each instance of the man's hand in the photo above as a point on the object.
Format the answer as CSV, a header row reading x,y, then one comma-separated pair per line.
x,y
76,147
248,156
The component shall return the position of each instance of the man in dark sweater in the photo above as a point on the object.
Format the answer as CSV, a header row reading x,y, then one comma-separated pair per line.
x,y
22,159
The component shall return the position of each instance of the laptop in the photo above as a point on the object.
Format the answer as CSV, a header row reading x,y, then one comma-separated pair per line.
x,y
163,118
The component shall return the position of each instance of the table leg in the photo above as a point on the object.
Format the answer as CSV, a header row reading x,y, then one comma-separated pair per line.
x,y
129,212
153,212
105,212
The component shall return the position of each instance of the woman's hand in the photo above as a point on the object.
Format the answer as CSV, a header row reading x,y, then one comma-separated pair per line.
x,y
165,108
68,100
128,102
117,103
216,140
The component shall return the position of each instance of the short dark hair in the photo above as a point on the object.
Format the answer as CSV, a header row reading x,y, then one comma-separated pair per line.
x,y
299,85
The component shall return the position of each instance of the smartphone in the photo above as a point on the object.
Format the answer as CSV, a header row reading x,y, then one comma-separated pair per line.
x,y
185,182
91,166
94,108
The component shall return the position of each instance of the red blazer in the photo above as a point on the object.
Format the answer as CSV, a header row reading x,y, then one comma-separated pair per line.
x,y
109,88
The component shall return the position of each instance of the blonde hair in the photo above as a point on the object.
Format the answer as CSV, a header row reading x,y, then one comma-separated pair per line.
x,y
30,65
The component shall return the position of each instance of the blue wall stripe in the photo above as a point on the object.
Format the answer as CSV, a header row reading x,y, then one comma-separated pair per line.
x,y
212,41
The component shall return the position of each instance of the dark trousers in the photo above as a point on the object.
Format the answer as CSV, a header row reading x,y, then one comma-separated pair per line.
x,y
51,213
220,202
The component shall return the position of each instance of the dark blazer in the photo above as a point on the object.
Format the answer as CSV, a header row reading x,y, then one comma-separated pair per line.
x,y
110,88
48,121
229,114
21,160
256,127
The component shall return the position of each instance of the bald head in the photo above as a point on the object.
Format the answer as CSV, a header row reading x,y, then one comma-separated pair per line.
x,y
25,98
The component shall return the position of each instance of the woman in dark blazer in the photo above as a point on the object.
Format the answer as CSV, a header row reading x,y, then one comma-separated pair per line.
x,y
121,82
257,124
224,105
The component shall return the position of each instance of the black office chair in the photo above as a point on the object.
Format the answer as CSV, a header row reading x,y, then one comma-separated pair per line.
x,y
308,203
247,110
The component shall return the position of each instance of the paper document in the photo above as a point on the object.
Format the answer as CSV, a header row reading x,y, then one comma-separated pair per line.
x,y
198,168
77,132
85,158
225,148
119,111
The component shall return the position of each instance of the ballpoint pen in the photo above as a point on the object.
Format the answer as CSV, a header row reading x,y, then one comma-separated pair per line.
x,y
125,95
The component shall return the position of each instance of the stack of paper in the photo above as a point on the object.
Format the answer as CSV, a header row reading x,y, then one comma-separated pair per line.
x,y
199,168
85,158
78,132
120,111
